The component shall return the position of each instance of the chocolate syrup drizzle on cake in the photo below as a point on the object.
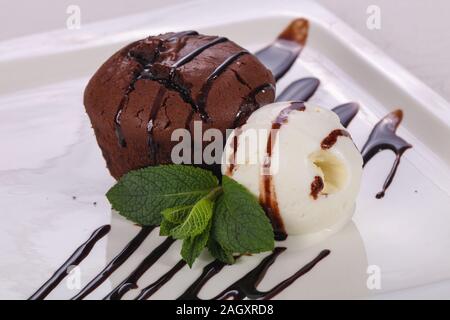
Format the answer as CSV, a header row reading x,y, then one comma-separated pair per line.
x,y
250,104
190,56
146,71
279,57
383,137
142,64
204,91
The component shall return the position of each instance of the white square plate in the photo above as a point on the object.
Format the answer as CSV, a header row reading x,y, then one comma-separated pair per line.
x,y
49,156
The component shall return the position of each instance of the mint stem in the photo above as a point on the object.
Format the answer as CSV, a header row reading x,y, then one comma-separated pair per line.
x,y
215,193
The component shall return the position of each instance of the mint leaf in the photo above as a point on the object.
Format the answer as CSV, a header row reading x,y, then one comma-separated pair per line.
x,y
189,204
166,227
239,223
219,253
142,195
178,214
198,219
193,246
172,217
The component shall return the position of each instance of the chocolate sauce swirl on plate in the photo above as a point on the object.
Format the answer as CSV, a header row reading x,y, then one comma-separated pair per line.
x,y
300,90
384,137
75,259
346,112
281,55
208,272
115,263
246,287
131,281
148,291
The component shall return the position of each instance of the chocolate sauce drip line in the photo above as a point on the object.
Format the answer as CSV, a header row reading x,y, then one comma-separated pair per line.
x,y
279,56
299,90
246,287
75,259
150,290
346,112
145,72
130,282
384,137
115,263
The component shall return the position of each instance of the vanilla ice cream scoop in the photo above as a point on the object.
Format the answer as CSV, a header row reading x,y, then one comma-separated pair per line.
x,y
300,162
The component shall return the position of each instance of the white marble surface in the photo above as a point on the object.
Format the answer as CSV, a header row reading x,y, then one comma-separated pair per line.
x,y
413,32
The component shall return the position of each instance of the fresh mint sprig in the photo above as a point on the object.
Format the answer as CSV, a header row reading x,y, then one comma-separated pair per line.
x,y
142,195
189,204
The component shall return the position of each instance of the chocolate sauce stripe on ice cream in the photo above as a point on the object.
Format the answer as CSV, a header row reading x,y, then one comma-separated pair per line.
x,y
332,137
316,187
299,90
268,198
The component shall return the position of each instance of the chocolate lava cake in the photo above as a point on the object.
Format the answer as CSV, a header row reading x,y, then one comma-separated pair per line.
x,y
151,87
